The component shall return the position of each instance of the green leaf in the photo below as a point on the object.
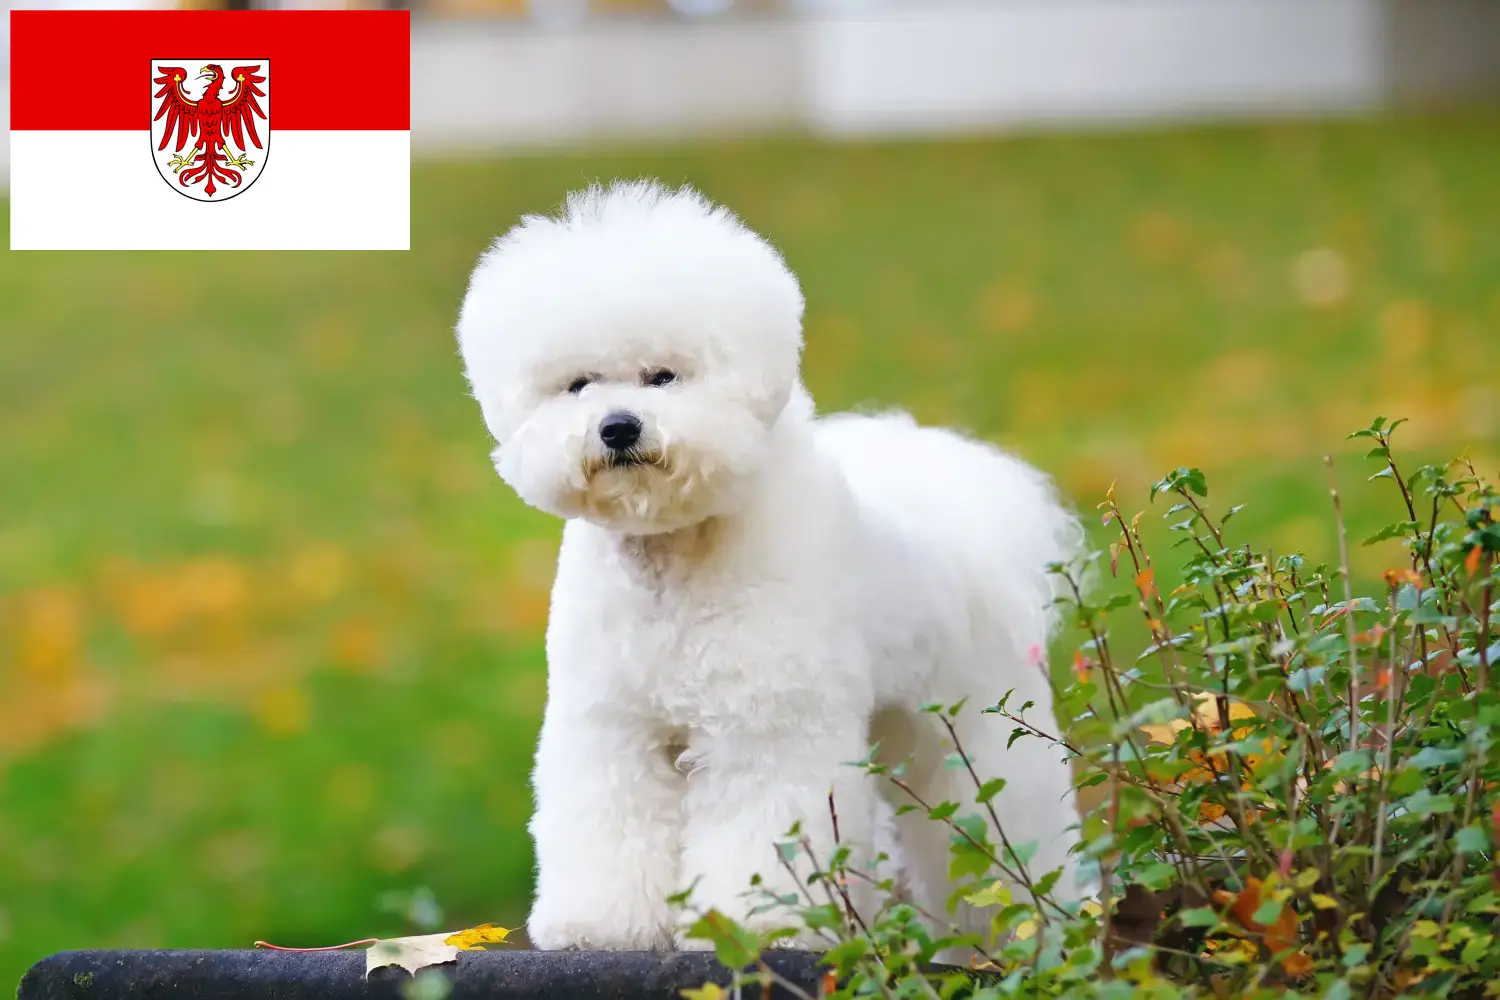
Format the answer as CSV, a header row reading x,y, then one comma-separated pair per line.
x,y
825,916
1350,763
966,861
942,810
1406,781
1022,853
1267,913
972,824
1408,598
1432,758
1304,679
1339,989
997,893
1044,885
1475,949
990,789
846,953
1397,530
1471,840
1198,916
735,946
1425,804
1155,875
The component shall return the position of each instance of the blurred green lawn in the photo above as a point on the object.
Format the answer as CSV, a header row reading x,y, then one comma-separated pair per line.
x,y
271,629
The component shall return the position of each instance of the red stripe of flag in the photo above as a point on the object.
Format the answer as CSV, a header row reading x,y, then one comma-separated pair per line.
x,y
85,70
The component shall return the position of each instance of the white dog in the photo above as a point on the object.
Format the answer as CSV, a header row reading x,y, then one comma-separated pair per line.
x,y
747,597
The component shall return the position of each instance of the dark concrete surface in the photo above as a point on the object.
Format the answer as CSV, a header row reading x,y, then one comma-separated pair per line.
x,y
340,975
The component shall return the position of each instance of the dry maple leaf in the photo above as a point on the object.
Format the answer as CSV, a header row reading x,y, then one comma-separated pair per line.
x,y
416,953
411,953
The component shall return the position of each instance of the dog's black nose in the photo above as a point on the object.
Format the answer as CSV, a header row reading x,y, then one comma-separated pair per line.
x,y
620,431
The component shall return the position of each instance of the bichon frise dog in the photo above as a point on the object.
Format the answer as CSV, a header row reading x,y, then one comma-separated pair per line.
x,y
747,596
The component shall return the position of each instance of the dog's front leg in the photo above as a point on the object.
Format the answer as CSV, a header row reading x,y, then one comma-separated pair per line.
x,y
607,830
746,791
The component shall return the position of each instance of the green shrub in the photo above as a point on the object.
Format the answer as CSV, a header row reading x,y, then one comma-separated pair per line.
x,y
1294,781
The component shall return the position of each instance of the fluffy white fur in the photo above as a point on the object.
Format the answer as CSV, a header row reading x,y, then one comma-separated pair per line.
x,y
765,594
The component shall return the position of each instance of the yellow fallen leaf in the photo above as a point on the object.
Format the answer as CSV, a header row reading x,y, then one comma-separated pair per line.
x,y
708,991
475,937
416,953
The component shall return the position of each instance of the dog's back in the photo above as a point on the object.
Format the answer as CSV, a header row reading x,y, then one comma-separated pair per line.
x,y
997,516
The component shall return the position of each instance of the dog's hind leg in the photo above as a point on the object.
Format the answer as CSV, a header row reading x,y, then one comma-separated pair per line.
x,y
1033,816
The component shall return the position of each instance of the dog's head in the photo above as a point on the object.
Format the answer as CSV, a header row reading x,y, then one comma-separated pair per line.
x,y
631,356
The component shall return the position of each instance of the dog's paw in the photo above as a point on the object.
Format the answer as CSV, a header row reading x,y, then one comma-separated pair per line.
x,y
601,931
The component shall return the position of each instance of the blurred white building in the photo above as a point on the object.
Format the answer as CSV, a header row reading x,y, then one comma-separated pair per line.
x,y
501,74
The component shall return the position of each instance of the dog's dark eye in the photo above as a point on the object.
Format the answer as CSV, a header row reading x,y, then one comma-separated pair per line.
x,y
660,377
579,384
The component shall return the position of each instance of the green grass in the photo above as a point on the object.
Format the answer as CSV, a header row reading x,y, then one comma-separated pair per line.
x,y
270,628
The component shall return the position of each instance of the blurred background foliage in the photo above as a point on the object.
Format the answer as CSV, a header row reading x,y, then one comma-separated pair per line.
x,y
271,629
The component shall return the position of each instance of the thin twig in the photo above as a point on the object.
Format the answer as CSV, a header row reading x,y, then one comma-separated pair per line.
x,y
1338,511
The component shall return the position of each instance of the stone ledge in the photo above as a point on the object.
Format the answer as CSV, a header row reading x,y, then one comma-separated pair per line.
x,y
493,975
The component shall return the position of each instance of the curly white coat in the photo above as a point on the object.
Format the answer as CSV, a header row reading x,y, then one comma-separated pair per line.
x,y
742,612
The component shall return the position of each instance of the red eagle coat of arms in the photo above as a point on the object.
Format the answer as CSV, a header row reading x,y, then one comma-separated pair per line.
x,y
204,135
